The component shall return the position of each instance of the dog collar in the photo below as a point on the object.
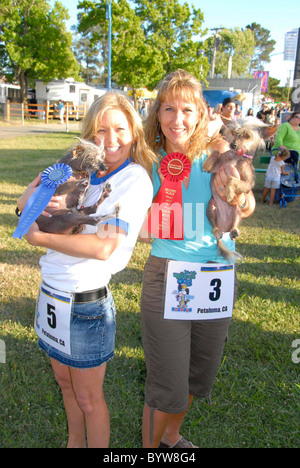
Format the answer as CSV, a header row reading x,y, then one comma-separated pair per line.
x,y
248,156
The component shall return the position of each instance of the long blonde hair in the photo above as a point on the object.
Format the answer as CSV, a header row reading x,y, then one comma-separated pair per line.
x,y
141,153
185,86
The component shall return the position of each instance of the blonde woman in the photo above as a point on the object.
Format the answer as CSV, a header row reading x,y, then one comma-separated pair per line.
x,y
81,266
182,355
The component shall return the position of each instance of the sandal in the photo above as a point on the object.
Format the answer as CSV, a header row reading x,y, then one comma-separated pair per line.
x,y
182,443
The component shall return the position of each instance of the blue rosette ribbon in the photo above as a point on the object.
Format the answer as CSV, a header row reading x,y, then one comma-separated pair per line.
x,y
51,178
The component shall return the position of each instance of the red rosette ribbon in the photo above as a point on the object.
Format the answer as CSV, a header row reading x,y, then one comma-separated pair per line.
x,y
166,217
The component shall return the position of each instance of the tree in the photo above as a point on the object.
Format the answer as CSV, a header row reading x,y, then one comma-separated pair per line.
x,y
276,92
263,46
234,43
36,41
135,63
88,55
173,28
148,41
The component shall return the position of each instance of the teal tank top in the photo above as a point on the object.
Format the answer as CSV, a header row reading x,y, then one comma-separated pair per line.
x,y
199,244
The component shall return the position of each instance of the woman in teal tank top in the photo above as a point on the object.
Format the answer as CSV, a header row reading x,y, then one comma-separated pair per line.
x,y
182,356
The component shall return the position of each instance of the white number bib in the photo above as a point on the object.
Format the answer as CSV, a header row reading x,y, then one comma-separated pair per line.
x,y
52,318
199,291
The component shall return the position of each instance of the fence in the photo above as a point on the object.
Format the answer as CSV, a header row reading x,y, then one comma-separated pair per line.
x,y
44,112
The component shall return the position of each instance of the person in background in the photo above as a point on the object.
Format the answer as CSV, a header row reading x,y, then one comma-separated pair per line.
x,y
271,117
218,108
273,175
237,112
61,111
262,114
228,111
288,135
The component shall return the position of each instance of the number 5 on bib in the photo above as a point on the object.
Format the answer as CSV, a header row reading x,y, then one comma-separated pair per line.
x,y
53,318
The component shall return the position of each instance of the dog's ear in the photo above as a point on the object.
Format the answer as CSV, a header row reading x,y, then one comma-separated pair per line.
x,y
67,158
74,153
78,150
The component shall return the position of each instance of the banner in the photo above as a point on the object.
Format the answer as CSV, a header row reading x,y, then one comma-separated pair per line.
x,y
290,44
264,76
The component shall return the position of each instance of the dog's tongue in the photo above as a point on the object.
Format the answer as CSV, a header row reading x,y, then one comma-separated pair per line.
x,y
101,173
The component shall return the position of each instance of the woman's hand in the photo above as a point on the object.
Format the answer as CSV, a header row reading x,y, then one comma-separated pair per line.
x,y
53,205
28,192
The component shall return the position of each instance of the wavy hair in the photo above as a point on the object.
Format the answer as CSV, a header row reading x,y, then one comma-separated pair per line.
x,y
292,116
141,153
185,86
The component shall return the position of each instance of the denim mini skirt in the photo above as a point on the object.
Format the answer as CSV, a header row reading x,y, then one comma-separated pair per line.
x,y
92,335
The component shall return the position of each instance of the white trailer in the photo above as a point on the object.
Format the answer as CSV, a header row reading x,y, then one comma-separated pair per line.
x,y
11,92
69,90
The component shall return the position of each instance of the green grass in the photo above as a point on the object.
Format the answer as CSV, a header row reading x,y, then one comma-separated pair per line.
x,y
256,394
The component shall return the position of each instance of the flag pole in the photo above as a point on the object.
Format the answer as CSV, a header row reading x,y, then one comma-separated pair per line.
x,y
109,45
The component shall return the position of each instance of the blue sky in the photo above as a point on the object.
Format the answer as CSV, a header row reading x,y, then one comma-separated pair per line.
x,y
277,16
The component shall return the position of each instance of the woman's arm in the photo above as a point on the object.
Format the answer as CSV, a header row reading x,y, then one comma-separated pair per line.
x,y
144,234
280,136
97,246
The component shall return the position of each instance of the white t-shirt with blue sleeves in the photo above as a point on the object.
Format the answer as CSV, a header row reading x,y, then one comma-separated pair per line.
x,y
132,189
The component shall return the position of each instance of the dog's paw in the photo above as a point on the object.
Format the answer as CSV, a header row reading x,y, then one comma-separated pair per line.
x,y
229,195
234,233
230,189
106,190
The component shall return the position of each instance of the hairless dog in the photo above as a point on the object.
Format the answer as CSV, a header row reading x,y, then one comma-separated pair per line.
x,y
84,158
245,138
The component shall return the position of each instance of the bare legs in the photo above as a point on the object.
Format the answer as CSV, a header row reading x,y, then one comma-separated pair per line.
x,y
272,195
86,409
165,426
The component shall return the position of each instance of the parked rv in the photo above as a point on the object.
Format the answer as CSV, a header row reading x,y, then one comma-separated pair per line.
x,y
11,92
74,92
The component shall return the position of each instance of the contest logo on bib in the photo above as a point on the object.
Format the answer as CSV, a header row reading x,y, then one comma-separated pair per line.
x,y
183,293
198,291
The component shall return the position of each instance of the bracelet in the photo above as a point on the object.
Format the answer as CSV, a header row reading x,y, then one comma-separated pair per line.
x,y
244,204
18,212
